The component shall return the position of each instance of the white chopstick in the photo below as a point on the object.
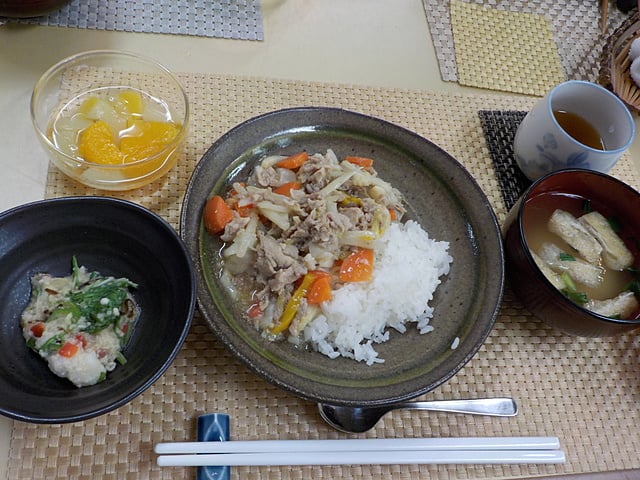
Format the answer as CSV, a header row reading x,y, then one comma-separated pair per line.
x,y
367,444
460,450
441,457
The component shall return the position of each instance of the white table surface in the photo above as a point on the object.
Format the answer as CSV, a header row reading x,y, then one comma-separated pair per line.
x,y
364,42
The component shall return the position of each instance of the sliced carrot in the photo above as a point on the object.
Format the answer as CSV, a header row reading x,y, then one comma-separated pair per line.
x,y
244,210
37,330
68,350
320,290
358,266
285,188
360,161
216,214
81,340
392,214
294,161
254,311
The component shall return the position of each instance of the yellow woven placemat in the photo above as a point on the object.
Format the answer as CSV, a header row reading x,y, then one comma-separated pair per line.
x,y
502,50
585,391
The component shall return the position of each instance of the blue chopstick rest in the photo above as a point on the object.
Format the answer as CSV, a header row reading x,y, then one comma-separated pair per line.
x,y
213,427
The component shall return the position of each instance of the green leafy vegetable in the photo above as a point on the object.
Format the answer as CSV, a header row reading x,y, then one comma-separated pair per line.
x,y
100,301
566,257
64,310
53,344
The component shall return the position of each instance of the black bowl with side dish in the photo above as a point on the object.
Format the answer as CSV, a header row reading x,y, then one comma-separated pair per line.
x,y
116,238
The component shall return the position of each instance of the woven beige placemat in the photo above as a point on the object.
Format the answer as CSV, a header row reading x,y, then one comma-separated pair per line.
x,y
574,23
501,50
585,391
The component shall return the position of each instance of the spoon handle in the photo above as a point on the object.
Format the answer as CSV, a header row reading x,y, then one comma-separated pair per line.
x,y
499,407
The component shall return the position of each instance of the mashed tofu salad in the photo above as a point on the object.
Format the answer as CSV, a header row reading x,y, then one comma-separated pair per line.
x,y
315,251
80,323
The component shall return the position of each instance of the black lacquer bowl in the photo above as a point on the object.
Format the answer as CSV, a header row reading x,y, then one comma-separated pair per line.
x,y
113,237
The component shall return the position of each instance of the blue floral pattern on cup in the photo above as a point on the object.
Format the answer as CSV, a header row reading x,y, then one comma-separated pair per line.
x,y
573,160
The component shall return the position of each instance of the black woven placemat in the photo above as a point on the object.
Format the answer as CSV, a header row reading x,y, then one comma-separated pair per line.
x,y
499,128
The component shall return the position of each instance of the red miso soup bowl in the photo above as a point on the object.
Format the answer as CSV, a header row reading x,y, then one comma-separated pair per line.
x,y
526,230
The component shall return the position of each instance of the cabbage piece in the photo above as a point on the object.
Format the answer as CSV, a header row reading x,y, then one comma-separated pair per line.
x,y
245,239
278,214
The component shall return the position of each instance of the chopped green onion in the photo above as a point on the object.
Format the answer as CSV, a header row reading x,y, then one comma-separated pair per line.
x,y
120,358
615,224
566,257
633,286
568,281
577,297
571,292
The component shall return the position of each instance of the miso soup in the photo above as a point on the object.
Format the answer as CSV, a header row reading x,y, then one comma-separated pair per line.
x,y
535,224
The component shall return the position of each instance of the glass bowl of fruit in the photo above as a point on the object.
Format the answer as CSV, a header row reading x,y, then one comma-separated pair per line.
x,y
111,120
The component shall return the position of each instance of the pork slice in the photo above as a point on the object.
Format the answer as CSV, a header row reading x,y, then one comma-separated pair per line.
x,y
278,263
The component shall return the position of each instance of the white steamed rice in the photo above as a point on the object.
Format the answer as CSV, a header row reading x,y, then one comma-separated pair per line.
x,y
408,267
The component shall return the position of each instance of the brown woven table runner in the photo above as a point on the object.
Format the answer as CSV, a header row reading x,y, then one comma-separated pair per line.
x,y
585,391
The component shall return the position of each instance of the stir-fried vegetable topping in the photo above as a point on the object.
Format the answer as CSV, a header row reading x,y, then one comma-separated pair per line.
x,y
301,226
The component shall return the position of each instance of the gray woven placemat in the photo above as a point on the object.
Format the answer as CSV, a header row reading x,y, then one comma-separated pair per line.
x,y
575,25
233,19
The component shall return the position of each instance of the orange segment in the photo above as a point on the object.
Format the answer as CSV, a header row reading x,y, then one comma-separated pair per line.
x,y
96,145
147,138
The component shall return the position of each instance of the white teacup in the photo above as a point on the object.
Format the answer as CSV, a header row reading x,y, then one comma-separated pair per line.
x,y
542,145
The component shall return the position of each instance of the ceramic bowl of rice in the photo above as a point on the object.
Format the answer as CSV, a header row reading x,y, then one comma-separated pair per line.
x,y
308,325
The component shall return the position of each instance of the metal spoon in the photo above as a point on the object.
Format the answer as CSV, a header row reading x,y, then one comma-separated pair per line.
x,y
361,419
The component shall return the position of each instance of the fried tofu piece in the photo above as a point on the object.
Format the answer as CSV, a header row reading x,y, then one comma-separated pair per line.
x,y
553,277
579,270
615,254
567,227
622,306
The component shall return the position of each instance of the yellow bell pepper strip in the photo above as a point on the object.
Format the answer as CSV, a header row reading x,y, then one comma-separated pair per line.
x,y
350,202
291,308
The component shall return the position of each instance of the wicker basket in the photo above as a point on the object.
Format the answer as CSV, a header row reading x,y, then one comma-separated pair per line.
x,y
614,63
